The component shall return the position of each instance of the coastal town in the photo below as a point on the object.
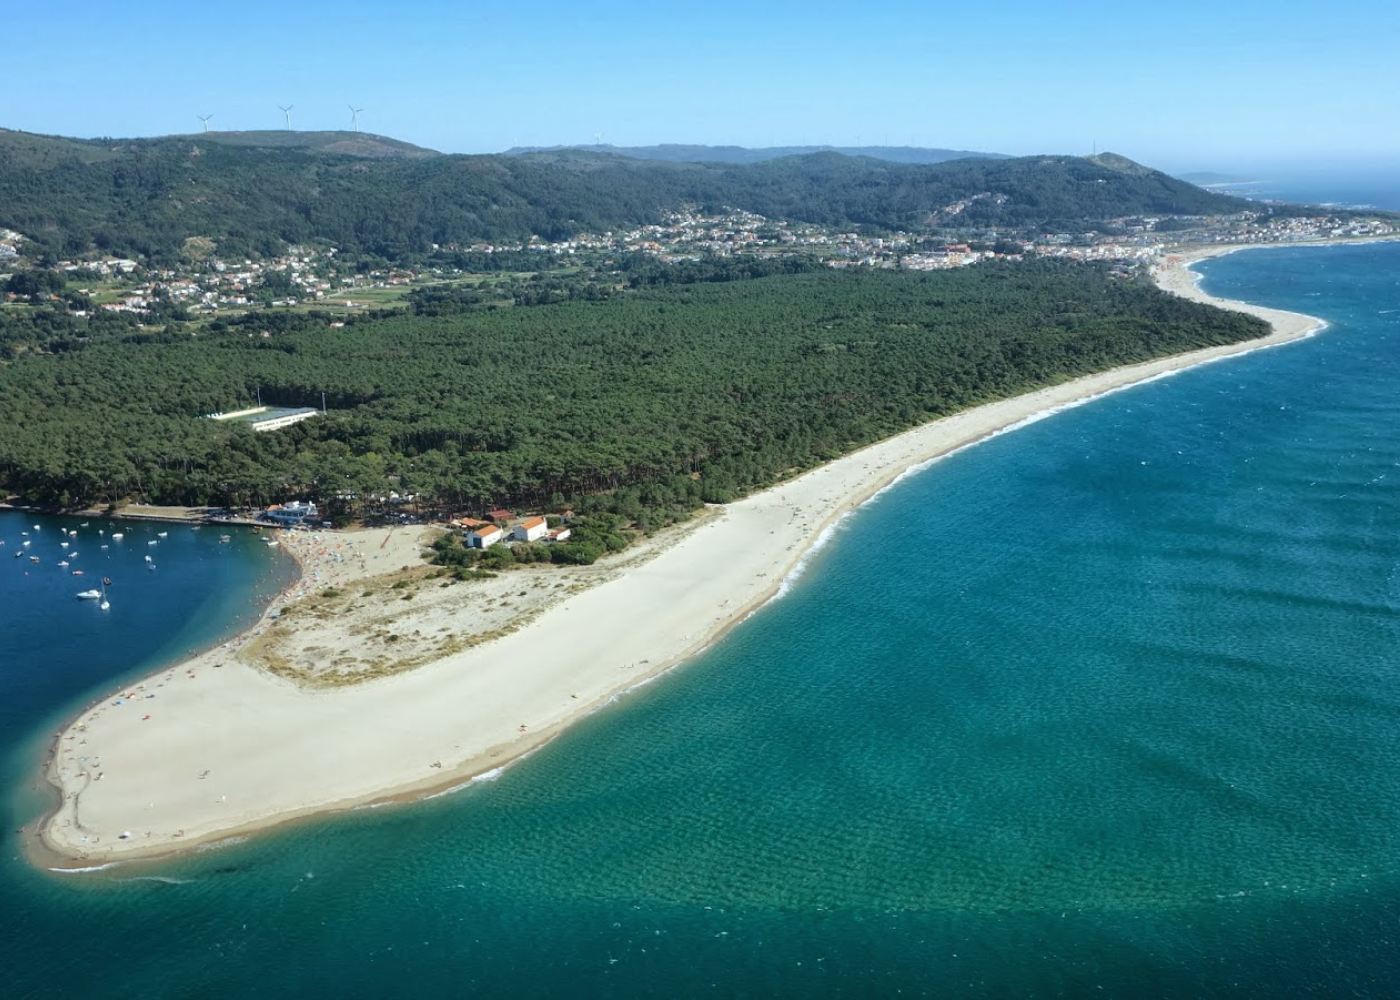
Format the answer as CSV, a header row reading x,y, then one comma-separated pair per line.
x,y
319,277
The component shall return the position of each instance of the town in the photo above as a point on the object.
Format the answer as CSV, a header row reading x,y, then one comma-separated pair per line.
x,y
318,277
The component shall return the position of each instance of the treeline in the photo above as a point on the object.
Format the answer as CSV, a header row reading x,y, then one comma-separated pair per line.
x,y
146,198
643,406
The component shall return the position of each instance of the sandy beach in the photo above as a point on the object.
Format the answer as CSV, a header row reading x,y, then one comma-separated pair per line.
x,y
225,746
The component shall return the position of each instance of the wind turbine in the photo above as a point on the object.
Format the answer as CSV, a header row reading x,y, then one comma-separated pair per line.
x,y
355,117
597,138
205,120
287,113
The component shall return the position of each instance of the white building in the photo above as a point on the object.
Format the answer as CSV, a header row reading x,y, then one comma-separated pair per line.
x,y
530,530
484,538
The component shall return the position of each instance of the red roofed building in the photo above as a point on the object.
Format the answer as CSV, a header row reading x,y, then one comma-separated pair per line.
x,y
531,529
484,538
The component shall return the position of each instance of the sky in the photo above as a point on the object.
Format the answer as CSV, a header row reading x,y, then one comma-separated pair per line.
x,y
1226,85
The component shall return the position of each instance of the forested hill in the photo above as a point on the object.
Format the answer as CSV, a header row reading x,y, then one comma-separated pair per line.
x,y
687,153
256,194
642,405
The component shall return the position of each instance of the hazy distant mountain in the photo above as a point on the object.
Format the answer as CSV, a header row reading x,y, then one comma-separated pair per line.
x,y
682,153
255,192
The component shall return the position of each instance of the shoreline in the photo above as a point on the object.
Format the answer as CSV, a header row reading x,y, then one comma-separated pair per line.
x,y
283,753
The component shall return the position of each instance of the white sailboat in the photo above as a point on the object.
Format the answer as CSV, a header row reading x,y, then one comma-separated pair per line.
x,y
90,595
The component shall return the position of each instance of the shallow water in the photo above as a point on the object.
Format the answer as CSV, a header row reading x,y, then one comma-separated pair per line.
x,y
1106,705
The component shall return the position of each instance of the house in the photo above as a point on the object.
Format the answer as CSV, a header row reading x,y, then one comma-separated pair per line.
x,y
294,512
470,524
499,515
530,530
484,538
558,535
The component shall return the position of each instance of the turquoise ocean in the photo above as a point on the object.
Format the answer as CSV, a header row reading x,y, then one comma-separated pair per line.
x,y
1107,706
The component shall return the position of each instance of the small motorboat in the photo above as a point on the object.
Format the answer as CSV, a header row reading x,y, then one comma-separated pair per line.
x,y
117,536
77,572
90,595
63,563
154,541
162,534
149,559
33,559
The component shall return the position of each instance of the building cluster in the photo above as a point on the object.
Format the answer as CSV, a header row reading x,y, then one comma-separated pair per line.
x,y
292,514
318,275
505,526
9,244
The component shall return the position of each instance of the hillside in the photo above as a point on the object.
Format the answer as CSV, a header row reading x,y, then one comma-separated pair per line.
x,y
337,143
253,193
686,153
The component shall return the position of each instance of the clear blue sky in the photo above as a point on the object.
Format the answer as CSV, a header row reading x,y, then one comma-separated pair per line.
x,y
1178,84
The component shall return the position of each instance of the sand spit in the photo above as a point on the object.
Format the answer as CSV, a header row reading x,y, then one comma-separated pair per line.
x,y
226,747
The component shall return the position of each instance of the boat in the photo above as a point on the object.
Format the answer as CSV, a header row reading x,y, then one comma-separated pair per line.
x,y
27,543
162,534
225,538
72,555
154,541
33,559
105,548
18,554
89,595
149,559
73,533
63,545
63,563
77,572
117,536
83,525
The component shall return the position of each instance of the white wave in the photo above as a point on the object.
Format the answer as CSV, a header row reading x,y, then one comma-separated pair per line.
x,y
215,845
81,871
490,775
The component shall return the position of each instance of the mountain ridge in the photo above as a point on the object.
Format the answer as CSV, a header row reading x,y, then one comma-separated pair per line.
x,y
253,193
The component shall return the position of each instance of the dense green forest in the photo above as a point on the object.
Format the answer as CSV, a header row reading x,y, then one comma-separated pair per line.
x,y
144,198
643,405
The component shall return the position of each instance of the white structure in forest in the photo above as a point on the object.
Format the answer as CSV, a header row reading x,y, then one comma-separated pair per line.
x,y
485,537
532,529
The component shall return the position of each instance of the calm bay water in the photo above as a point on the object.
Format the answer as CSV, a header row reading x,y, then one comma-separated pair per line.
x,y
1109,705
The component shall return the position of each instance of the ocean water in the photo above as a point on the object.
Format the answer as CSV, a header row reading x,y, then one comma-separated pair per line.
x,y
1372,187
1108,706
